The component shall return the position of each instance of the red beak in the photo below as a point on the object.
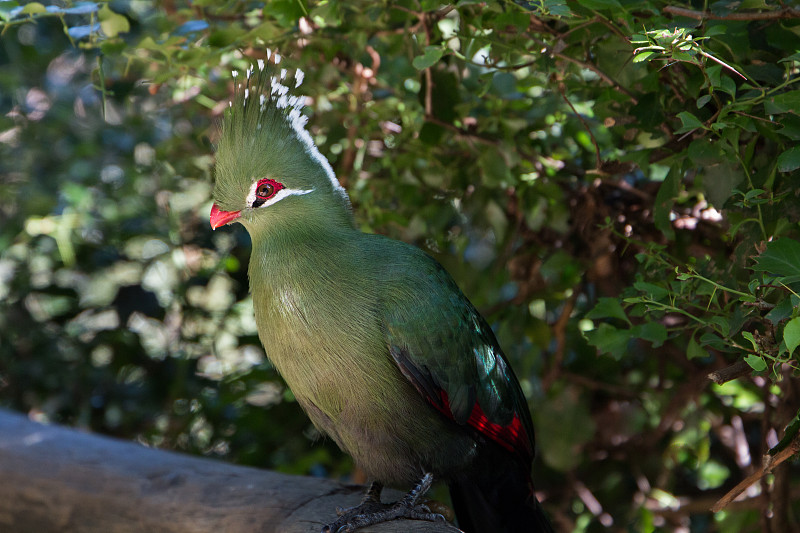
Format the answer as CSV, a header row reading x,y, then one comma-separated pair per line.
x,y
220,218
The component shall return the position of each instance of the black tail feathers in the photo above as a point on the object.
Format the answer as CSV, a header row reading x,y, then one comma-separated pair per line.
x,y
502,503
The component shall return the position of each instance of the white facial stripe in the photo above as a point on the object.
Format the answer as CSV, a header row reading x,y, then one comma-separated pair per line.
x,y
283,193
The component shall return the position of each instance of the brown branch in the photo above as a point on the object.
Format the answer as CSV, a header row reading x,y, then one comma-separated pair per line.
x,y
770,462
736,370
559,332
57,479
784,13
591,384
461,132
689,505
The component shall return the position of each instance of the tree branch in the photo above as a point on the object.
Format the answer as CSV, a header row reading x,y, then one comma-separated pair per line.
x,y
57,479
784,13
770,462
736,370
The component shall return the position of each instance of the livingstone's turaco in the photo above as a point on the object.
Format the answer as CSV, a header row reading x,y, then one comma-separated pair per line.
x,y
377,343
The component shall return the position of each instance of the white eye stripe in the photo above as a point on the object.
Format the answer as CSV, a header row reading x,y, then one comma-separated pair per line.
x,y
283,193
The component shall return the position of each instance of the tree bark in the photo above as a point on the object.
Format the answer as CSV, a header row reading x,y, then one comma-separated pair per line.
x,y
55,479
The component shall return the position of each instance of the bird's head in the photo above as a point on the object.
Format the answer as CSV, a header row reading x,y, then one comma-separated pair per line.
x,y
269,174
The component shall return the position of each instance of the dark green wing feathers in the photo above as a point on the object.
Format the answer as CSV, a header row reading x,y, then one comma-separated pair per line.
x,y
445,348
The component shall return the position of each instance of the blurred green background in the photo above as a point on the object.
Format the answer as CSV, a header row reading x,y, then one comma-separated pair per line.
x,y
613,183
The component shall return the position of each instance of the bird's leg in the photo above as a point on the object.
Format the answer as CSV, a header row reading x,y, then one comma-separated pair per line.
x,y
370,499
371,511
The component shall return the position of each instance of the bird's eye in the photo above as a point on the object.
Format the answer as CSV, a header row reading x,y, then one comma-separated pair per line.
x,y
266,189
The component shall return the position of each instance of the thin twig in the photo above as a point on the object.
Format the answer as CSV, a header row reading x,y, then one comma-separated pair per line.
x,y
785,13
598,161
589,66
752,116
559,332
769,464
461,132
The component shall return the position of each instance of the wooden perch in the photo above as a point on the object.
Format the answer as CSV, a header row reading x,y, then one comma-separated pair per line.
x,y
54,479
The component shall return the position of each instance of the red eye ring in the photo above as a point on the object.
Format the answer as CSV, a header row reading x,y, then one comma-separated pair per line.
x,y
266,188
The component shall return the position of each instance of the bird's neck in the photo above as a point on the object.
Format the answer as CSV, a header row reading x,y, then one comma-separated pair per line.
x,y
299,249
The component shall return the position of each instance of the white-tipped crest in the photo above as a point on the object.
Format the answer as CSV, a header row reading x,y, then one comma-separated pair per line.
x,y
279,96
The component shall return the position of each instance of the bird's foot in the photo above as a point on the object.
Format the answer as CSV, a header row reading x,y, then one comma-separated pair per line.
x,y
371,511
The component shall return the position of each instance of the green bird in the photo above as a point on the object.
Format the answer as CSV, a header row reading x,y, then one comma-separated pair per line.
x,y
376,341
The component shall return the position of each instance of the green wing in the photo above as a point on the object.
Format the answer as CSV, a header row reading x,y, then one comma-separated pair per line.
x,y
449,353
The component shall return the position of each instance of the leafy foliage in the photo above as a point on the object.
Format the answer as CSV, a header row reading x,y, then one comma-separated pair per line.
x,y
613,182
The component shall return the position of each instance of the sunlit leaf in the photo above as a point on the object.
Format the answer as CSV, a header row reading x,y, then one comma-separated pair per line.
x,y
113,23
431,56
791,334
756,363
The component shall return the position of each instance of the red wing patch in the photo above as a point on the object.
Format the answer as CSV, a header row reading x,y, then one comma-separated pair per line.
x,y
512,436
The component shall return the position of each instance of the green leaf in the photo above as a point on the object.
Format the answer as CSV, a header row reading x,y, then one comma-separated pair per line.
x,y
642,56
33,8
793,57
781,258
654,332
703,100
286,12
714,341
559,8
665,199
756,363
494,169
755,4
717,29
783,103
726,84
694,350
6,8
703,152
113,23
722,323
558,444
600,4
518,19
608,308
720,180
431,56
689,122
791,334
789,160
656,292
327,14
609,340
780,312
790,127
431,133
